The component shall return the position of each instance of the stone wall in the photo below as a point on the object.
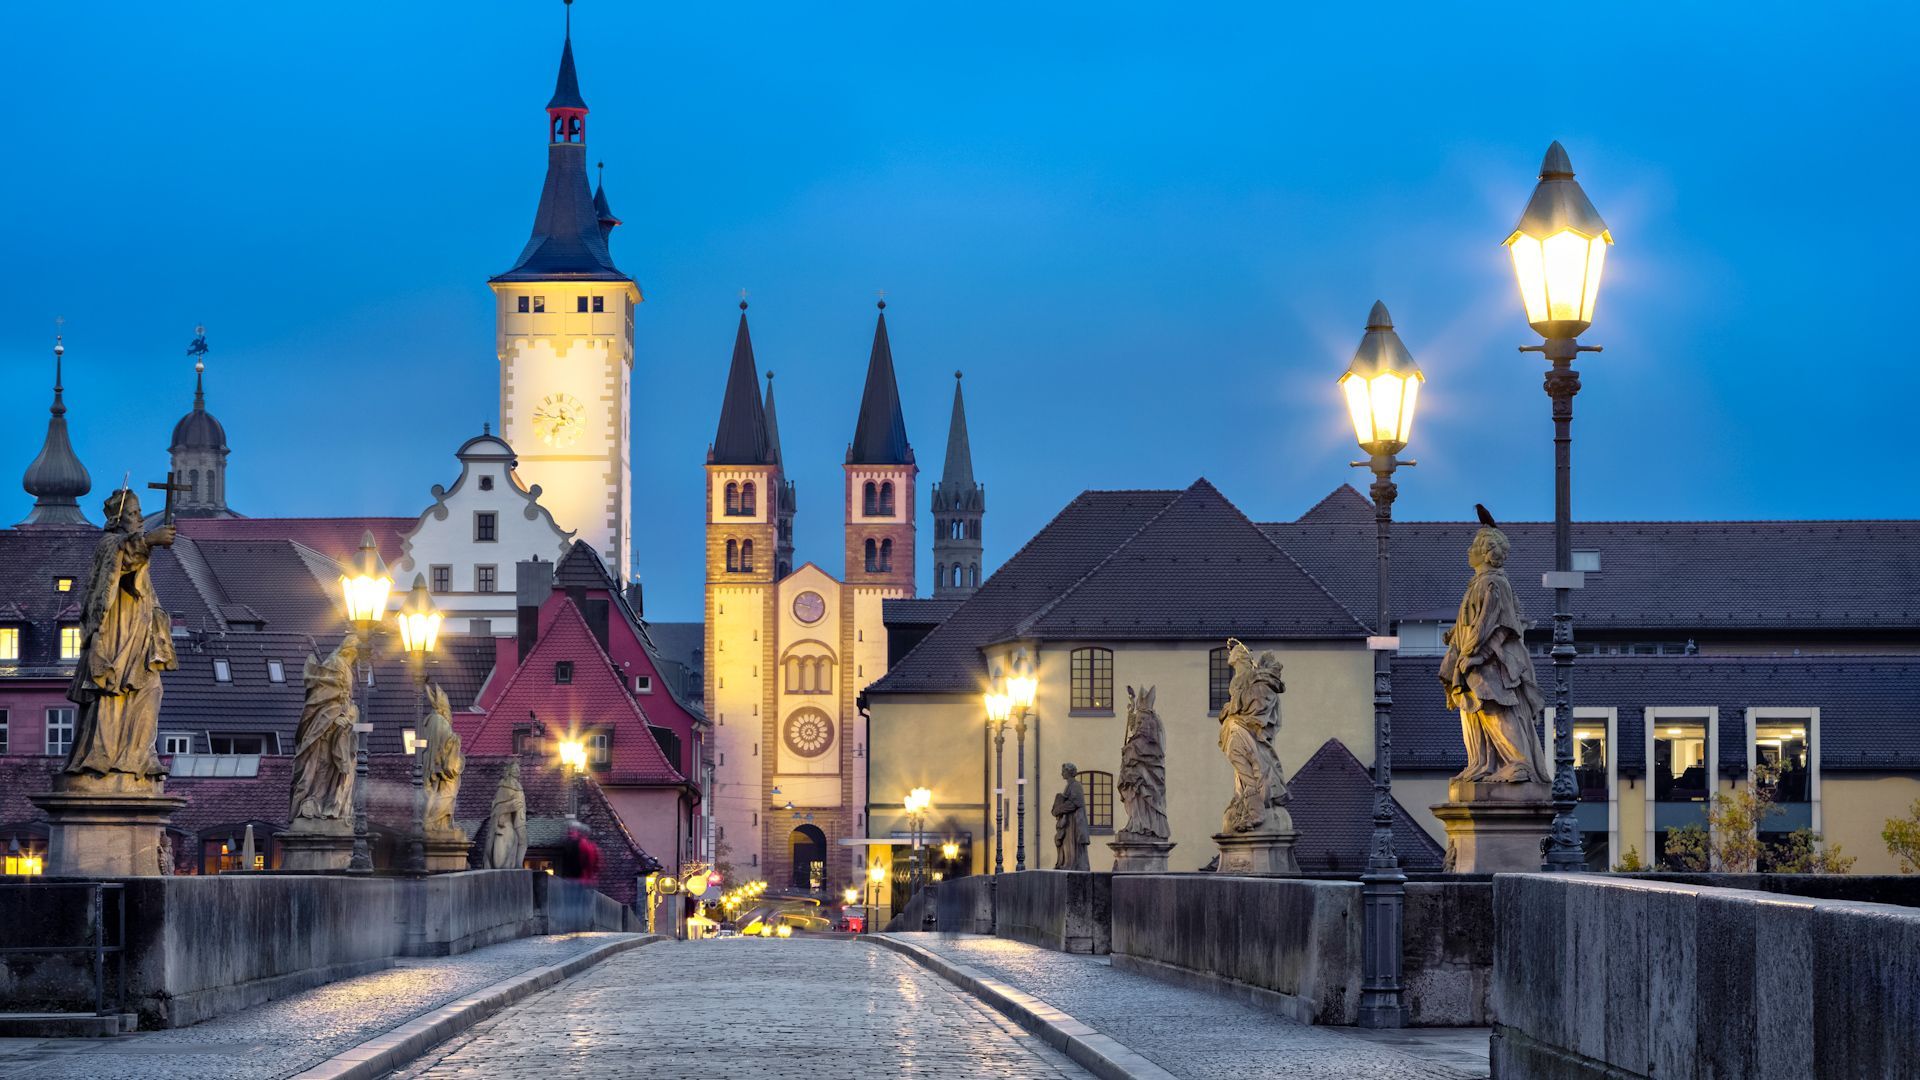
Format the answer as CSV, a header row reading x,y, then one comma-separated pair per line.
x,y
964,905
1064,910
1620,978
199,947
1447,952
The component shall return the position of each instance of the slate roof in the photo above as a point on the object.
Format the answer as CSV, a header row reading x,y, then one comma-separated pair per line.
x,y
1332,809
338,538
917,611
1078,538
880,431
958,471
567,242
566,85
1683,576
773,420
596,697
1869,705
741,438
1345,505
198,430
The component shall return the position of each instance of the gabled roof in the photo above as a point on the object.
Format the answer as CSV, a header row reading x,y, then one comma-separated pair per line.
x,y
581,568
337,538
880,432
1199,569
596,697
1332,809
1679,576
1344,505
1078,538
741,438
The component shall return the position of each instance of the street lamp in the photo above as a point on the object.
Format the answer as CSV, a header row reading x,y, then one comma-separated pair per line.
x,y
1021,690
999,706
1382,387
876,874
364,588
917,803
573,761
1559,249
419,623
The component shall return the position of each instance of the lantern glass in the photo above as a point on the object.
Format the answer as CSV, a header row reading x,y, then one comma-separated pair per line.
x,y
1382,408
366,584
418,620
876,873
1559,279
1021,690
998,707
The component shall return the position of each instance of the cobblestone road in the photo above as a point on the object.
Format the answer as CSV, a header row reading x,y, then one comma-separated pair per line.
x,y
743,1009
294,1033
1192,1033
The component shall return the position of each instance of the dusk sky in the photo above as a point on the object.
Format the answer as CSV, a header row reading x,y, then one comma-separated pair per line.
x,y
1150,236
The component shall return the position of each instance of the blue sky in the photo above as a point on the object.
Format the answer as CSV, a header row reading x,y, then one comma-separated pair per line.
x,y
1149,235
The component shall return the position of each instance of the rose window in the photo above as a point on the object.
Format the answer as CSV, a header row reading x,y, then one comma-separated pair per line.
x,y
808,733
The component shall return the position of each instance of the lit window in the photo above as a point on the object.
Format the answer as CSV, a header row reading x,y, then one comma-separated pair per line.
x,y
222,670
276,671
1783,759
486,526
563,671
176,742
1091,674
69,643
63,584
1587,561
539,303
59,731
1681,771
9,643
1099,789
1590,760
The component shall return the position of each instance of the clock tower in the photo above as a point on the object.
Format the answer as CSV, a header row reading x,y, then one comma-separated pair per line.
x,y
564,332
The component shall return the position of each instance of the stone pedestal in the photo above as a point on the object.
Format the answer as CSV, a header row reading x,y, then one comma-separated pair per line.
x,y
1261,854
106,832
1495,828
447,852
1139,856
317,845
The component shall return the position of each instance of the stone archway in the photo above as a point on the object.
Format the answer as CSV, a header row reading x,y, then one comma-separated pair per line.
x,y
809,847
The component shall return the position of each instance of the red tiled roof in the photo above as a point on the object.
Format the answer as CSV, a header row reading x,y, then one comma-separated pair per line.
x,y
597,697
336,538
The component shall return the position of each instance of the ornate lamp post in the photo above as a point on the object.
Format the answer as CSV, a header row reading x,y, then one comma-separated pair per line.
x,y
1559,249
364,587
419,623
1382,386
999,706
573,760
917,803
1020,691
875,875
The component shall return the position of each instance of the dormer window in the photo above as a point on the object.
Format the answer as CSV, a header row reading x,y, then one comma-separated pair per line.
x,y
276,671
63,584
222,670
600,749
9,643
70,642
1586,561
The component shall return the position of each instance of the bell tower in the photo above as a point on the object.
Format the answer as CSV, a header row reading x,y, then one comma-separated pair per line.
x,y
880,480
564,334
959,504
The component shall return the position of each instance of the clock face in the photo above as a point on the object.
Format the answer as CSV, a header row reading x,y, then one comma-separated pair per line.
x,y
559,419
809,608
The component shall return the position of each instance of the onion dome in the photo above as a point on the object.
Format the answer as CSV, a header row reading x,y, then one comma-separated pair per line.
x,y
56,479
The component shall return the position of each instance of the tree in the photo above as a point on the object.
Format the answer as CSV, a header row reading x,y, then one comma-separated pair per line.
x,y
1730,842
1903,838
1630,863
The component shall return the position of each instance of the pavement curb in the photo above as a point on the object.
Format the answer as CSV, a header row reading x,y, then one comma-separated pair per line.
x,y
1102,1055
384,1053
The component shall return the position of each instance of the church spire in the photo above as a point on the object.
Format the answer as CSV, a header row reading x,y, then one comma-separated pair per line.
x,y
608,219
959,504
569,241
56,479
741,438
880,433
959,468
773,424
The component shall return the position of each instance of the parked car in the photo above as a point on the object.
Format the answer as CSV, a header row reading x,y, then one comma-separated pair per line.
x,y
853,919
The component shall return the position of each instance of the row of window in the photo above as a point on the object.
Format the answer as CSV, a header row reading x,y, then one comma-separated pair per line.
x,y
10,643
1090,679
486,579
741,499
536,305
961,576
879,556
876,500
223,670
959,528
739,556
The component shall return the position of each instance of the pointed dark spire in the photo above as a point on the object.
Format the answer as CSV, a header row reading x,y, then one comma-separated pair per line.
x,y
773,423
56,479
566,88
880,434
959,468
608,219
742,435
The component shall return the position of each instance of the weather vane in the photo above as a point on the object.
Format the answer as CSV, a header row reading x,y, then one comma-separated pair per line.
x,y
198,350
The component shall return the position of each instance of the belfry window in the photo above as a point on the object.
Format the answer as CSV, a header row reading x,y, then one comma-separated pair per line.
x,y
733,556
870,501
599,304
886,555
580,303
733,500
746,556
886,499
873,552
747,499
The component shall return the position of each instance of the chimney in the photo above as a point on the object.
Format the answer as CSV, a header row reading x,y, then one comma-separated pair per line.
x,y
532,584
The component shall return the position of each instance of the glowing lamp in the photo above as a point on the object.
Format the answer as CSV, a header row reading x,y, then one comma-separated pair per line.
x,y
418,619
851,896
1382,387
1559,249
573,754
876,873
919,800
1021,689
366,584
999,707
949,851
784,931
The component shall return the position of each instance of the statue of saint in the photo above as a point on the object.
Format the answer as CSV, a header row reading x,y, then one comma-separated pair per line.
x,y
445,762
126,641
507,822
1143,770
323,755
1248,722
1488,674
1070,827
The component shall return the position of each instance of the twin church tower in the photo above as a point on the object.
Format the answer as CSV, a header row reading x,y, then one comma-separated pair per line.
x,y
789,647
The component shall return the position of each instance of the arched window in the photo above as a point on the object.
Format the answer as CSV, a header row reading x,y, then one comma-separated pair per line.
x,y
886,555
746,499
1099,789
886,499
733,556
193,483
793,675
1090,674
957,580
1219,677
733,499
746,556
973,575
873,558
869,500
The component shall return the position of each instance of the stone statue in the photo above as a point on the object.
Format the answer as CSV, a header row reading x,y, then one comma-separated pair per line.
x,y
1489,676
507,822
445,762
323,756
1248,722
1143,771
126,640
1070,823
